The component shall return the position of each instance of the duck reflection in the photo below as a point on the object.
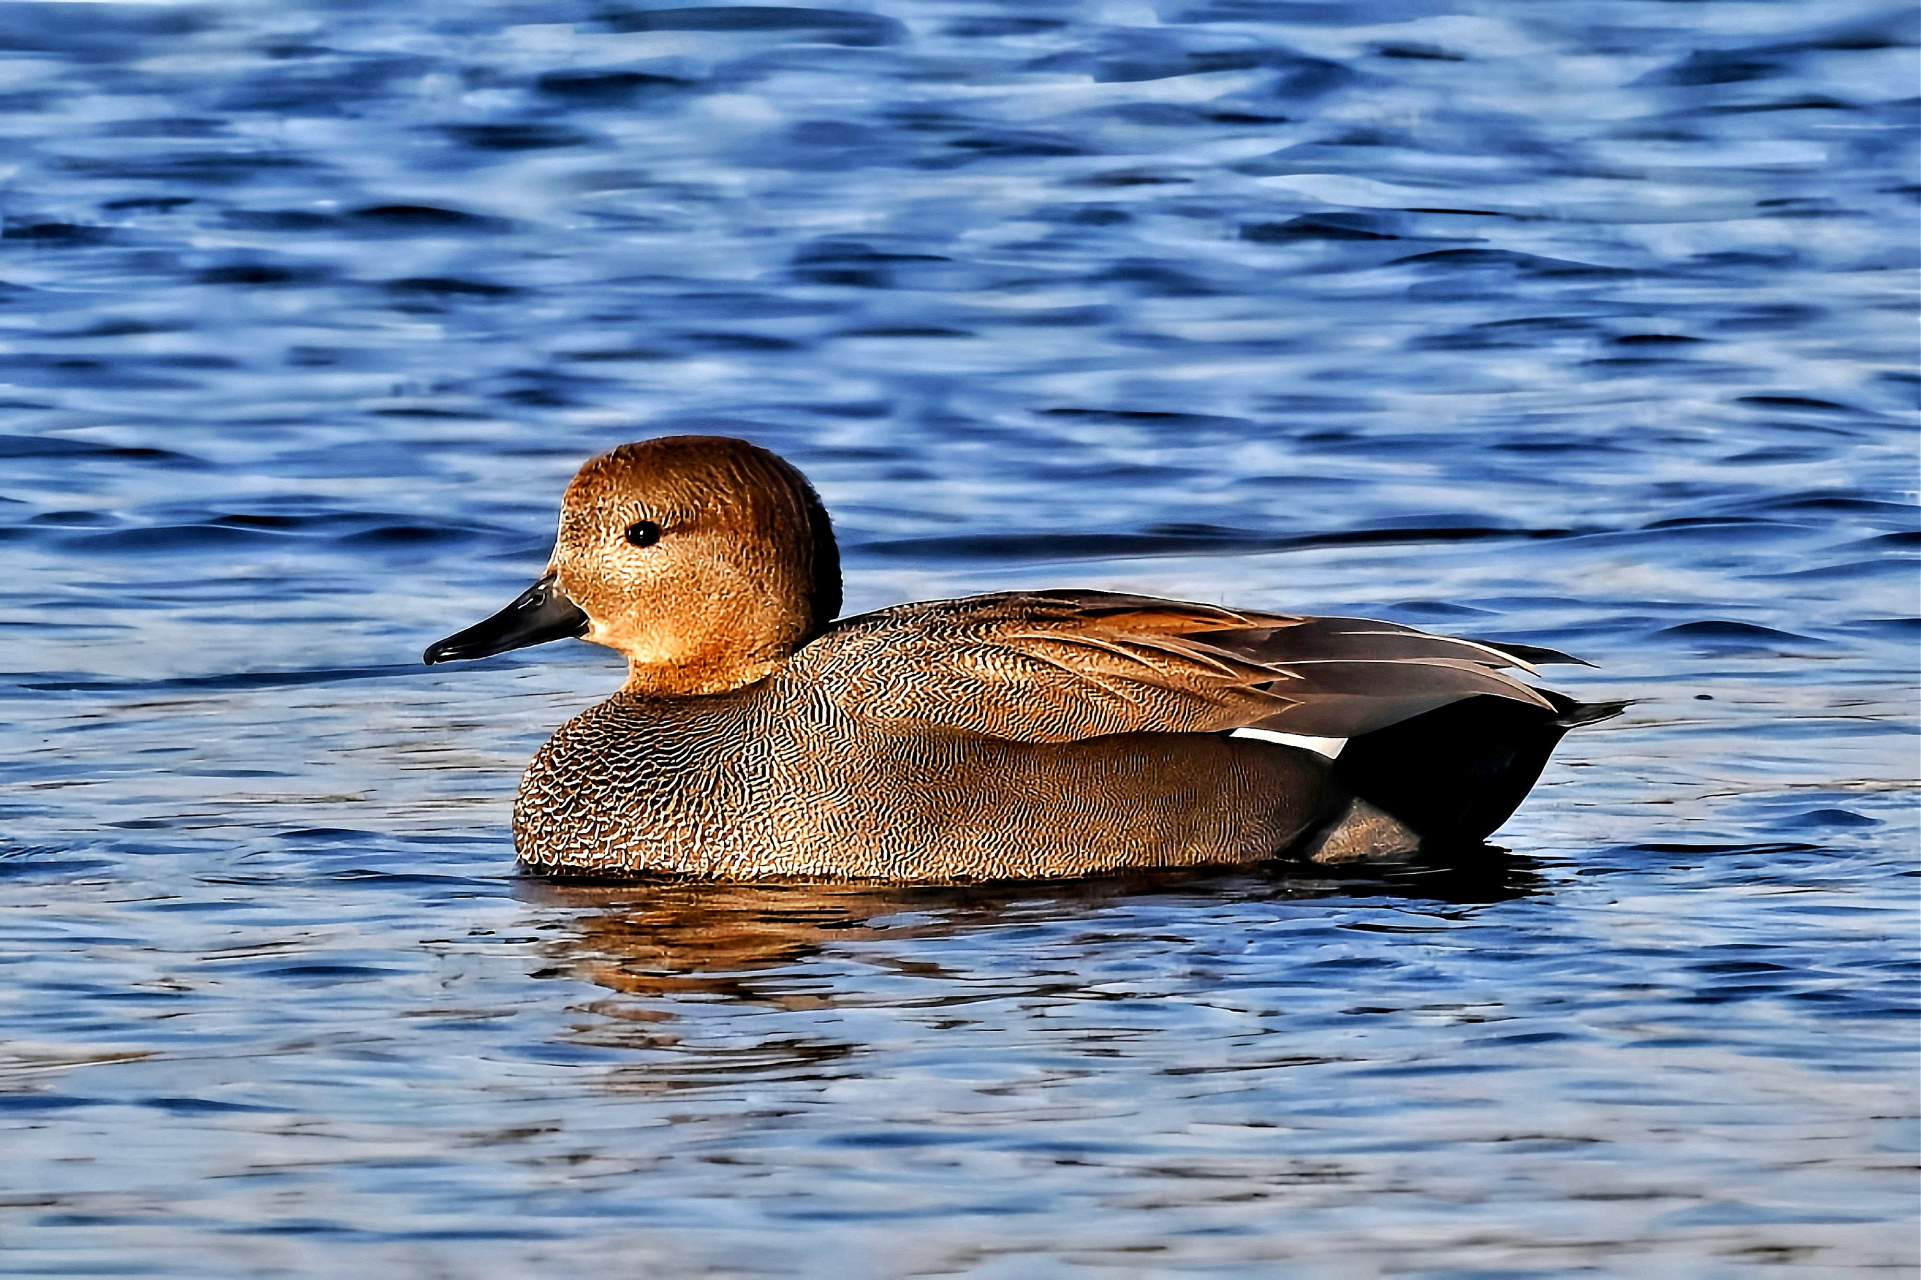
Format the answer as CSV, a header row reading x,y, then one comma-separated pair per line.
x,y
750,941
714,984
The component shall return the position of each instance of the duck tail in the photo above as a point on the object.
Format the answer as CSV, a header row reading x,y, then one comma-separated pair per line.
x,y
1455,774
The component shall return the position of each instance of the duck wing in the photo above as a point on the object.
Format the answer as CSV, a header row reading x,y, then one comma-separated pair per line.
x,y
1057,666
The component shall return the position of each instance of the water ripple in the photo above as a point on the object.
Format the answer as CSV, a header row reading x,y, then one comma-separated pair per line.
x,y
1574,325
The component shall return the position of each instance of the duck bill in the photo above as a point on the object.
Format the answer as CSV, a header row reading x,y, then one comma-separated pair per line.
x,y
540,613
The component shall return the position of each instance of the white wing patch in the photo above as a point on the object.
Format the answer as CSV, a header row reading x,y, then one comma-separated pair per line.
x,y
1329,747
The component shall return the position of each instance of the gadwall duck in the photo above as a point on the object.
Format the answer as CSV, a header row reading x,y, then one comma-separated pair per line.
x,y
1014,735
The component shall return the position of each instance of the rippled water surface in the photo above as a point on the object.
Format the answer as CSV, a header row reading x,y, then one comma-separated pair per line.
x,y
1580,324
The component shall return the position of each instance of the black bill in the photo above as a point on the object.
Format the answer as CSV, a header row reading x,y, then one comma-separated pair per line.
x,y
540,613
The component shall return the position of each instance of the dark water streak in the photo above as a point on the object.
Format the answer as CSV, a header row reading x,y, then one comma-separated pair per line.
x,y
1586,326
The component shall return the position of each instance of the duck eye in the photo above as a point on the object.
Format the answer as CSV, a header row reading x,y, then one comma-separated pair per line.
x,y
643,533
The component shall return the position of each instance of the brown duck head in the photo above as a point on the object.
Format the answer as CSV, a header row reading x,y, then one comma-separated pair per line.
x,y
704,561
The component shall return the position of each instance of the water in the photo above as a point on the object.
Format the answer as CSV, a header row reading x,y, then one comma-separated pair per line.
x,y
1586,325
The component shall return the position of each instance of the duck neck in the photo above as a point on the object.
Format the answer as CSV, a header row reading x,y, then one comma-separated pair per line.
x,y
698,679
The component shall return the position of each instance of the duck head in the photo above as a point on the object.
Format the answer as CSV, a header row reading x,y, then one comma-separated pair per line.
x,y
704,561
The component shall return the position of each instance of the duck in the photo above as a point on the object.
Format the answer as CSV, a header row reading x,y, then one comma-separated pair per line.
x,y
1017,735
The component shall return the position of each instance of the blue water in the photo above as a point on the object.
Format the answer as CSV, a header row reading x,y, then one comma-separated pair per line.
x,y
1580,324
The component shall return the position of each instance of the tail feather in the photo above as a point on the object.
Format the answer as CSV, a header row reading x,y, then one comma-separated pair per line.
x,y
1456,773
1575,714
